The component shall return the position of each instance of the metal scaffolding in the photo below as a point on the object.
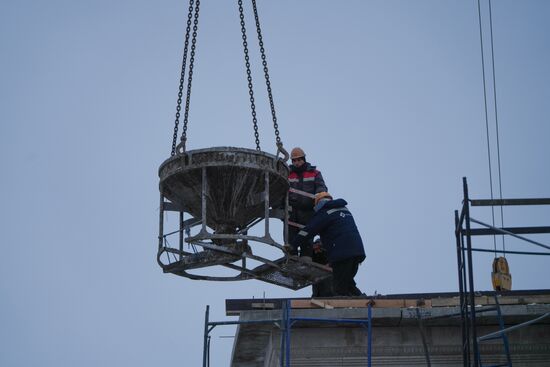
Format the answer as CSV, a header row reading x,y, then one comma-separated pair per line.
x,y
285,323
464,251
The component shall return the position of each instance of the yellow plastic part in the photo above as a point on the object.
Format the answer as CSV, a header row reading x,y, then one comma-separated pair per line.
x,y
502,279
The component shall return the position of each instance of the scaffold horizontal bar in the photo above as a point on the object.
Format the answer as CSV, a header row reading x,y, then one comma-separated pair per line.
x,y
511,252
515,230
502,231
500,202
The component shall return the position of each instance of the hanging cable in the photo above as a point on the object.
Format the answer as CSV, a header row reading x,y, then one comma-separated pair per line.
x,y
182,76
496,124
486,119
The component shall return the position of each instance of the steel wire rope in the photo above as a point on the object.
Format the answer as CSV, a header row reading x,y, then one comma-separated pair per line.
x,y
486,120
182,76
496,125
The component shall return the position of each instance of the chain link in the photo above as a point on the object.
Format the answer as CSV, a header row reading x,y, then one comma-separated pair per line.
x,y
182,76
249,75
194,18
266,73
190,76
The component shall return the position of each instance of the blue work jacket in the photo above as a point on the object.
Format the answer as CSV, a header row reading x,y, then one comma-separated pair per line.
x,y
336,227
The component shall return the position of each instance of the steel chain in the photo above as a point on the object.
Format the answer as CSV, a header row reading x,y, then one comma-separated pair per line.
x,y
194,18
190,76
266,73
182,76
249,75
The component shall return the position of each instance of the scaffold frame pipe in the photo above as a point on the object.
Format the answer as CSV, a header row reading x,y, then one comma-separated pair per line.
x,y
464,233
284,323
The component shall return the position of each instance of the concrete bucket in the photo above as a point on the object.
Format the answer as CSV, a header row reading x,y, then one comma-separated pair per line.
x,y
234,184
227,191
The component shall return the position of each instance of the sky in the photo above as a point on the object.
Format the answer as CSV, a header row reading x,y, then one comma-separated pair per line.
x,y
386,98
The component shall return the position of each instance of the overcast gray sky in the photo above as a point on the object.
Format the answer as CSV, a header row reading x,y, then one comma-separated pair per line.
x,y
386,97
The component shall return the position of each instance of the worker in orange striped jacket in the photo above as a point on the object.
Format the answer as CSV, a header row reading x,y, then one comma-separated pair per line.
x,y
305,181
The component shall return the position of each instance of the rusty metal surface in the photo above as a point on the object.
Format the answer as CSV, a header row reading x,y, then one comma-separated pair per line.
x,y
235,184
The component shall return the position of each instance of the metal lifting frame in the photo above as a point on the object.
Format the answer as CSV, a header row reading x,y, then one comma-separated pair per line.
x,y
285,325
464,250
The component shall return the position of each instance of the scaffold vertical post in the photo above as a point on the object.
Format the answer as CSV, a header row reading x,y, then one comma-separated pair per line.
x,y
282,327
471,290
369,335
463,306
287,330
205,345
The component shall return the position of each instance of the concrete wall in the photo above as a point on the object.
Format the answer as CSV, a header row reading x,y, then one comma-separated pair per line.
x,y
396,339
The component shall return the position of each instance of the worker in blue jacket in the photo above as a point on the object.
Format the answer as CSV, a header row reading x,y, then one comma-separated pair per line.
x,y
340,238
